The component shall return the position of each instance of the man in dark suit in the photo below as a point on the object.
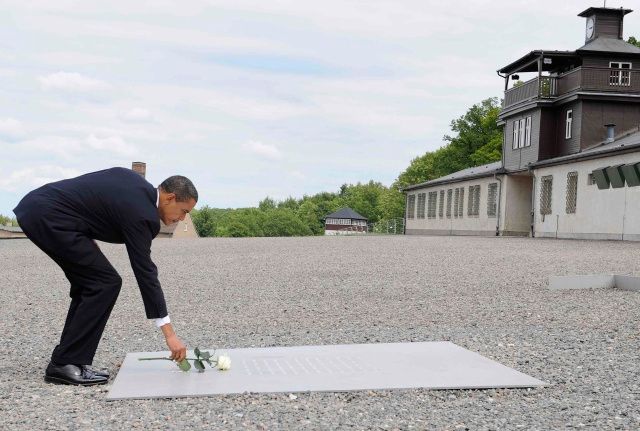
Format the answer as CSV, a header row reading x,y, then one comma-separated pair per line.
x,y
114,205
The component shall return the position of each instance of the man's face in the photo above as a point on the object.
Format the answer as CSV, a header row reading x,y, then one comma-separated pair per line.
x,y
171,211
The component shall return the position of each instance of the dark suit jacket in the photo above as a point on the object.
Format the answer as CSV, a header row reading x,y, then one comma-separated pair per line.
x,y
114,205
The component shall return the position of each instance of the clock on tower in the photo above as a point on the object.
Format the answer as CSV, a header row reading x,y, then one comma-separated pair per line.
x,y
590,28
603,22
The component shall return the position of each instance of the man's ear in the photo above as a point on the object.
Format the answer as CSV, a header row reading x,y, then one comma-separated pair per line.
x,y
171,197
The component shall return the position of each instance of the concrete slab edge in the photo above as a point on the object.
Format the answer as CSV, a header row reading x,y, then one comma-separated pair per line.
x,y
594,281
568,282
626,282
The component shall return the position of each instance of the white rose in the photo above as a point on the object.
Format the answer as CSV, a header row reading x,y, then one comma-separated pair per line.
x,y
224,363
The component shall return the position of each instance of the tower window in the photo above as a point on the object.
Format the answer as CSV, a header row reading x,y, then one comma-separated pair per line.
x,y
569,122
620,75
521,133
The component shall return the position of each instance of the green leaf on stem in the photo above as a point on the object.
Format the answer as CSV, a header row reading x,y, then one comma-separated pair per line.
x,y
197,352
184,365
205,355
199,365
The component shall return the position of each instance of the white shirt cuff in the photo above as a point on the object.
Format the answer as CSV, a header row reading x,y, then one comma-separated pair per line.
x,y
162,321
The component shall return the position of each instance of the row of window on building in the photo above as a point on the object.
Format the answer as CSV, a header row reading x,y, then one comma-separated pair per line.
x,y
345,221
522,130
450,203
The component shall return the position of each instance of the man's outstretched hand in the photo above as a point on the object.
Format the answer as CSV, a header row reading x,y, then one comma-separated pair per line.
x,y
178,349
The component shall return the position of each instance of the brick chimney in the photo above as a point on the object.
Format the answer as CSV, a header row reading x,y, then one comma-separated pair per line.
x,y
139,167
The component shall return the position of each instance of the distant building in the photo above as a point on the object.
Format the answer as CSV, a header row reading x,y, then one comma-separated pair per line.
x,y
570,152
345,221
10,232
182,229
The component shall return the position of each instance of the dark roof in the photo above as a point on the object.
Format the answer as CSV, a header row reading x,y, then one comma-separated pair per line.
x,y
592,10
609,44
346,213
626,143
529,62
465,174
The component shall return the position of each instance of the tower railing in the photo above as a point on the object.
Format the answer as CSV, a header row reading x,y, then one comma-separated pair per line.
x,y
584,78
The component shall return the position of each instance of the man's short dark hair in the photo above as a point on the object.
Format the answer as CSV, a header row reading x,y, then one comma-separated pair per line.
x,y
181,186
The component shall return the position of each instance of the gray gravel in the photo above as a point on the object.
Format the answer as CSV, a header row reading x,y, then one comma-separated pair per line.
x,y
488,295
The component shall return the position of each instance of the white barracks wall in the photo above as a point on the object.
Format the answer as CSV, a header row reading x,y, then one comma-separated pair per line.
x,y
600,214
482,224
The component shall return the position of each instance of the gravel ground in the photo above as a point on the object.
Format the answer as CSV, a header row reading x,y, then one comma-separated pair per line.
x,y
488,295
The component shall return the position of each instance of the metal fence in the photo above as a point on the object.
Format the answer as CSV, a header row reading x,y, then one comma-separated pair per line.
x,y
393,226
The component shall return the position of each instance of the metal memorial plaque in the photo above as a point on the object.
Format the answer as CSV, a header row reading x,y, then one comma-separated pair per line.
x,y
350,367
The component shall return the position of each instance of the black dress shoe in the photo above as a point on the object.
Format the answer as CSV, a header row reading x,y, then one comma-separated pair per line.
x,y
72,375
103,372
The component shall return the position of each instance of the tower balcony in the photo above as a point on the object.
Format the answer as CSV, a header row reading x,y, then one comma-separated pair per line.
x,y
581,79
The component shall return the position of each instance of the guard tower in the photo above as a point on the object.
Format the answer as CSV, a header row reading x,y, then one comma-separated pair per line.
x,y
570,96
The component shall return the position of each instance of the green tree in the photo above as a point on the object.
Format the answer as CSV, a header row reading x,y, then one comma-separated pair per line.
x,y
633,41
267,204
7,221
203,221
475,129
309,213
478,140
284,222
391,203
291,203
364,198
419,170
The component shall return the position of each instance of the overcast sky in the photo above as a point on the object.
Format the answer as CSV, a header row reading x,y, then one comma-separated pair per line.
x,y
253,98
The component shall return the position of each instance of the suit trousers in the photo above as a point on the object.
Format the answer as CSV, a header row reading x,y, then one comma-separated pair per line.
x,y
95,285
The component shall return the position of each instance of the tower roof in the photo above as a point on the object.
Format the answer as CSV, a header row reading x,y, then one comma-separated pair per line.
x,y
607,44
346,213
593,10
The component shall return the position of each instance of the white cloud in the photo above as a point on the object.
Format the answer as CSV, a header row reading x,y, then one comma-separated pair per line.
x,y
113,144
7,73
266,151
11,129
35,176
298,175
52,145
71,81
137,115
65,58
167,35
258,108
73,148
